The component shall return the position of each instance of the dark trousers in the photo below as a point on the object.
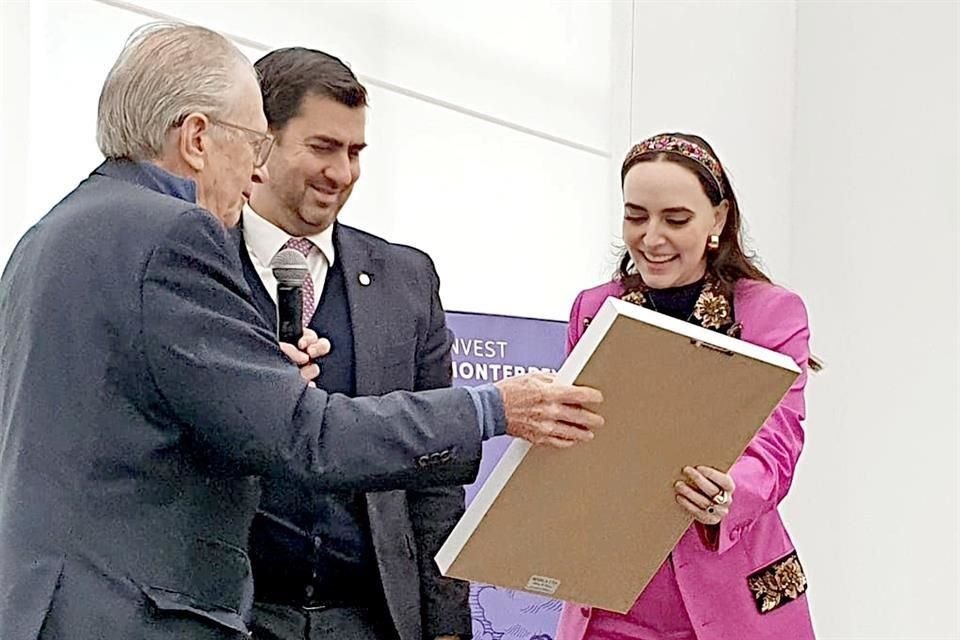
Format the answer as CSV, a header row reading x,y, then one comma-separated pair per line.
x,y
282,622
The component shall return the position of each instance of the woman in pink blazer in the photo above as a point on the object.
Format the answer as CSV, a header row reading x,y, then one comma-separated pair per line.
x,y
734,575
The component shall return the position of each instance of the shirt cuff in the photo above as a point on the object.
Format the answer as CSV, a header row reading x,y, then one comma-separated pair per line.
x,y
490,414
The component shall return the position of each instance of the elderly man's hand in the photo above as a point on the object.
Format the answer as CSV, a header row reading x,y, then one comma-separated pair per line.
x,y
545,412
309,348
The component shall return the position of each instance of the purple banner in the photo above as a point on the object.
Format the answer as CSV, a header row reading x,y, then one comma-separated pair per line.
x,y
488,348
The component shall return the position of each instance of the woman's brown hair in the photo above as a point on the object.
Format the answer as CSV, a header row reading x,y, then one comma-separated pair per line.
x,y
729,262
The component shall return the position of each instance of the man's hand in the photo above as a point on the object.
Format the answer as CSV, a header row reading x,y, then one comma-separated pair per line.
x,y
544,412
310,348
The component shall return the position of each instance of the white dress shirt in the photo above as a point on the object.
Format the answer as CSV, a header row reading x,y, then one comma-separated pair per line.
x,y
264,240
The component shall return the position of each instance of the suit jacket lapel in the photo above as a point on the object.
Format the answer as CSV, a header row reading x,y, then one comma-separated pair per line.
x,y
361,265
369,317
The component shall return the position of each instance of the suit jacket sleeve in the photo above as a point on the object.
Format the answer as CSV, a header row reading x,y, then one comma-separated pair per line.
x,y
222,379
764,472
435,512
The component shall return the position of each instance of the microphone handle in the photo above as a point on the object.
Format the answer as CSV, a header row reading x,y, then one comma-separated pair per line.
x,y
289,313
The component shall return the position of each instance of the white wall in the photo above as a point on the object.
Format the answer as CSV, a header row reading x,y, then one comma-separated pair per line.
x,y
875,252
480,128
725,70
839,124
497,131
14,121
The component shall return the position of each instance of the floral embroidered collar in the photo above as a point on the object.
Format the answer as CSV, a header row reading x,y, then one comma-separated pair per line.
x,y
713,308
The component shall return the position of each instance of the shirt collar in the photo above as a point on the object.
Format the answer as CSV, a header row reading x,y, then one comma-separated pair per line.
x,y
266,239
164,182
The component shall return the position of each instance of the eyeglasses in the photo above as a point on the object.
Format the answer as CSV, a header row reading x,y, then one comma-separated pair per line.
x,y
262,143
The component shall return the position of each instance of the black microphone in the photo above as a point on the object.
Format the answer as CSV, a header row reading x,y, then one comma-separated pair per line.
x,y
290,269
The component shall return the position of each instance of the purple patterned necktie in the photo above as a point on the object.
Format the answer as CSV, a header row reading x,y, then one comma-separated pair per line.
x,y
304,246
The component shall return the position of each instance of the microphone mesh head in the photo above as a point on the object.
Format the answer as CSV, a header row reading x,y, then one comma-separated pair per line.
x,y
289,267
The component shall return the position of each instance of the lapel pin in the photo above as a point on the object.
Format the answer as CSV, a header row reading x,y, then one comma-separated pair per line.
x,y
364,279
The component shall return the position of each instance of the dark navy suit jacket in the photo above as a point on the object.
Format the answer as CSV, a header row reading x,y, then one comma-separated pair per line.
x,y
141,397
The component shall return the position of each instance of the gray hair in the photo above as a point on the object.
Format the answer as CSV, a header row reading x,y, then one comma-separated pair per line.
x,y
165,72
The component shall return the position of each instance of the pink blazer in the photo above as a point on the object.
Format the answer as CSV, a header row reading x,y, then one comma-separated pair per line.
x,y
714,575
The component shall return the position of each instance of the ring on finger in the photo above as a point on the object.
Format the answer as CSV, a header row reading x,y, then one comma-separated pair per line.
x,y
722,497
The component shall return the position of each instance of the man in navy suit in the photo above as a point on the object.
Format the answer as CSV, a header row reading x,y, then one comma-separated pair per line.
x,y
142,395
346,565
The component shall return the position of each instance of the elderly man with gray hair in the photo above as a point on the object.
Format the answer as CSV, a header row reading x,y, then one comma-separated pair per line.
x,y
142,395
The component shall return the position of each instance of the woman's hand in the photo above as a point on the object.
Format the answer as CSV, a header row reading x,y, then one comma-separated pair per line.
x,y
706,495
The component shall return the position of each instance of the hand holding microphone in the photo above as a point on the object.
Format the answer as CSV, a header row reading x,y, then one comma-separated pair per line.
x,y
308,349
290,269
300,345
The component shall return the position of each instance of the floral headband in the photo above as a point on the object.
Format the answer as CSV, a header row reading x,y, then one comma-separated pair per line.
x,y
665,143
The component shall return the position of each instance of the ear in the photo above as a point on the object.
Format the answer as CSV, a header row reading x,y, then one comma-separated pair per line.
x,y
193,140
720,217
